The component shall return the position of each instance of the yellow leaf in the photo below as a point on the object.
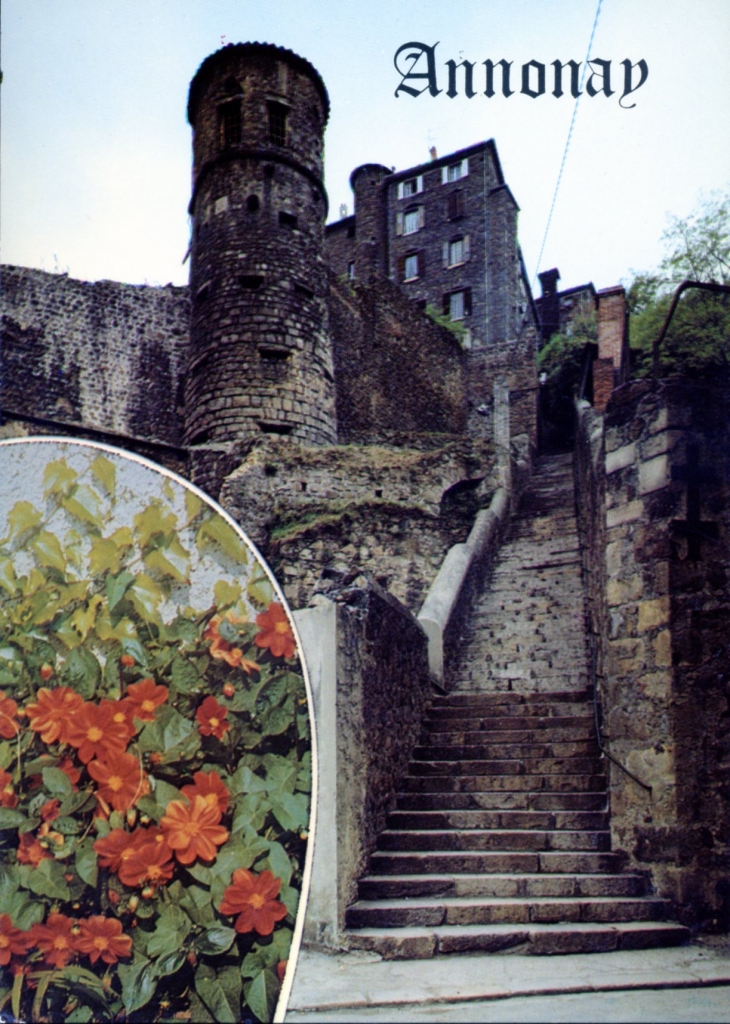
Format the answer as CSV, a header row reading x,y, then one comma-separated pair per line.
x,y
105,472
145,595
22,516
123,630
193,504
84,503
58,477
153,520
123,537
223,534
104,556
172,560
83,618
168,491
7,576
48,550
72,543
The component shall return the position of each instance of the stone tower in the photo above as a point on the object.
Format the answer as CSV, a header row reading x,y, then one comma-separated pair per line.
x,y
260,359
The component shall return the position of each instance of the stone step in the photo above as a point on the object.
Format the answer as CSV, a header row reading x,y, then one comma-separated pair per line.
x,y
495,783
405,862
466,910
501,800
536,939
455,699
374,887
521,716
526,766
457,840
499,819
498,751
577,734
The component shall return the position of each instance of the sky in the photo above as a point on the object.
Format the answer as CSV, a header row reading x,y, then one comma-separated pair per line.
x,y
96,158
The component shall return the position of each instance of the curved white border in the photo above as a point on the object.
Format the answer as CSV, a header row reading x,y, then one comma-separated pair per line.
x,y
296,942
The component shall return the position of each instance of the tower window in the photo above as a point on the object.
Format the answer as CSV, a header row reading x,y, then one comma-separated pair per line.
x,y
252,203
277,124
351,270
287,220
229,115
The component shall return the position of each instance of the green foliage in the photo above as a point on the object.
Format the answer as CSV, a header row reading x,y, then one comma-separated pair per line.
x,y
561,360
456,327
697,343
93,606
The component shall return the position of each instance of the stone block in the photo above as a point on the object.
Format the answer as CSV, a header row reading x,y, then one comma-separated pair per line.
x,y
626,513
620,458
654,474
656,685
653,613
662,644
622,591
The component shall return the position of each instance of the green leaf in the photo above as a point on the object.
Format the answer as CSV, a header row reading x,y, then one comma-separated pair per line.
x,y
104,556
260,591
289,896
80,1015
7,575
193,504
244,781
152,521
197,902
67,826
165,965
116,587
58,477
262,994
138,984
226,594
105,472
48,551
82,672
251,811
47,880
84,618
74,801
145,595
213,995
280,863
10,818
223,534
84,503
184,675
215,940
22,516
86,862
291,810
171,560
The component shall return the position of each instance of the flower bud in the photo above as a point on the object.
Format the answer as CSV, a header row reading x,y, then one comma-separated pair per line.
x,y
228,689
46,672
126,660
132,903
148,892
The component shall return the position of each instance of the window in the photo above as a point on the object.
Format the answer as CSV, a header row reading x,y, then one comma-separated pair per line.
x,y
454,172
287,220
351,271
409,222
410,187
277,124
456,251
229,116
410,267
454,205
457,305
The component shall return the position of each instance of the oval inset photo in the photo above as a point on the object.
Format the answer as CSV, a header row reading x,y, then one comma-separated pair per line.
x,y
155,749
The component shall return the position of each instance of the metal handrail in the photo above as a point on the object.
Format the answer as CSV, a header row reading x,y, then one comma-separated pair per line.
x,y
709,286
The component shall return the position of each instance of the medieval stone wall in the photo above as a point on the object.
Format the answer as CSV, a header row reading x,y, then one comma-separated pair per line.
x,y
100,355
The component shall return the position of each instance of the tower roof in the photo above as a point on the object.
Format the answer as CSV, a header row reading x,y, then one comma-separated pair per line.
x,y
244,49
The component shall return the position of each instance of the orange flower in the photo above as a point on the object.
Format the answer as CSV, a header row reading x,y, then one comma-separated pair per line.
x,y
220,648
148,860
70,771
49,810
95,732
55,939
13,942
52,713
210,716
145,697
8,796
192,830
121,780
275,632
112,847
122,713
9,728
253,898
30,850
210,786
101,936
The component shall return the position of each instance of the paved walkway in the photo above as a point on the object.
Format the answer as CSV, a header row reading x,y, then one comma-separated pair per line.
x,y
691,983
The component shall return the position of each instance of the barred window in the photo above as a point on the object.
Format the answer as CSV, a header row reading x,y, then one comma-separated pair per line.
x,y
277,124
229,115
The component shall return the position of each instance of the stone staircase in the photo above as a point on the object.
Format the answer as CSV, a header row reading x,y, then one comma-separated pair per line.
x,y
500,840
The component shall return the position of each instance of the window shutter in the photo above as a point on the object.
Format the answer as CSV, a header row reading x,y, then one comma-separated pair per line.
x,y
464,168
399,223
400,189
419,183
467,302
401,268
446,254
446,306
444,175
421,264
466,249
421,216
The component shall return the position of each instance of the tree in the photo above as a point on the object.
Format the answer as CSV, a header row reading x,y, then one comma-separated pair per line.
x,y
698,340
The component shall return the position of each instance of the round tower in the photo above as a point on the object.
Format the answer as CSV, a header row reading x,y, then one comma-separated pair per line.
x,y
260,358
371,219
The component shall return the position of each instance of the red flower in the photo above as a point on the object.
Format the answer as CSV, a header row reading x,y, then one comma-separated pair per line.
x,y
223,649
9,728
49,810
70,770
95,732
275,632
101,936
211,718
253,898
210,786
148,860
13,942
145,697
55,939
52,713
121,780
122,715
30,850
112,847
192,830
8,796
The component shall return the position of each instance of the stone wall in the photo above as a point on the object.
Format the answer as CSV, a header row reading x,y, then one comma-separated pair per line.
x,y
663,658
104,356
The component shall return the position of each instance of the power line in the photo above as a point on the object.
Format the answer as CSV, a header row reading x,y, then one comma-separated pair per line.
x,y
567,142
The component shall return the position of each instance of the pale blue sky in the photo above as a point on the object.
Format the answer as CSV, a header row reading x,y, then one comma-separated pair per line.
x,y
96,147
